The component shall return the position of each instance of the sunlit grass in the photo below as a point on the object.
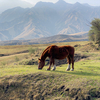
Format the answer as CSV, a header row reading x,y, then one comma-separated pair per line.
x,y
88,69
85,69
17,70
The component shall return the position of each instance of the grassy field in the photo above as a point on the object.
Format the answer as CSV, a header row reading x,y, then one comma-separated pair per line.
x,y
19,81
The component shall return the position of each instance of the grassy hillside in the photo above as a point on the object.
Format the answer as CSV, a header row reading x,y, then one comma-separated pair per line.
x,y
81,36
21,81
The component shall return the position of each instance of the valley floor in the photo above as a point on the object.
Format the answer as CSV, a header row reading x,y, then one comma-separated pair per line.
x,y
21,81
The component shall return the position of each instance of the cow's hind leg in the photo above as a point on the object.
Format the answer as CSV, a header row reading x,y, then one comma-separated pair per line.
x,y
54,66
69,63
72,58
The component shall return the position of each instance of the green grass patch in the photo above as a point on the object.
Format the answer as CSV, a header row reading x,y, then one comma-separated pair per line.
x,y
17,70
88,69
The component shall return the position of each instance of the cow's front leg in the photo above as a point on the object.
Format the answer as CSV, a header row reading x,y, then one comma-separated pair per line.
x,y
51,61
49,66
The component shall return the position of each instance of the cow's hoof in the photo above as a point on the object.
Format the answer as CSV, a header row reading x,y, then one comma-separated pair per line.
x,y
53,69
72,69
48,69
67,69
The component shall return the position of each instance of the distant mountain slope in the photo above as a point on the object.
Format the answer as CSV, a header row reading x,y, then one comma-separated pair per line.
x,y
52,39
46,19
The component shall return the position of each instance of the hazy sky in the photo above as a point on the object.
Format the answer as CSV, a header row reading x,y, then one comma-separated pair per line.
x,y
7,4
90,2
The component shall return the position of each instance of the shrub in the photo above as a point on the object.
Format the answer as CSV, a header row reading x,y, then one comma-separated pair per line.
x,y
31,51
16,58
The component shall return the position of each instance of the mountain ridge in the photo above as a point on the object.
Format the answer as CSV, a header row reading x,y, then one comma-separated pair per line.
x,y
9,4
45,19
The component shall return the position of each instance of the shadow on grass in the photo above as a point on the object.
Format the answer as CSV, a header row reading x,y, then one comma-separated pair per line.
x,y
81,73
